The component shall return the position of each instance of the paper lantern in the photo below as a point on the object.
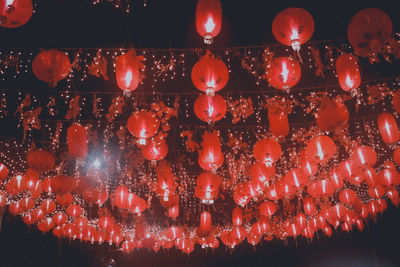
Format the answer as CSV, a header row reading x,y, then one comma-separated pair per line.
x,y
364,156
348,72
278,121
208,19
77,141
3,171
260,173
296,178
15,13
155,149
209,74
388,128
267,151
207,187
368,31
16,185
127,71
320,149
325,120
143,125
40,160
267,208
210,156
74,210
51,66
205,221
293,26
283,73
237,216
210,108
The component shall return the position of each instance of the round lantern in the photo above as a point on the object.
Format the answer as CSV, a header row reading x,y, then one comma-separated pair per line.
x,y
40,160
127,71
207,187
237,216
388,128
368,31
210,74
155,150
210,108
267,151
278,121
15,13
267,208
348,72
320,149
260,173
211,157
283,73
364,156
293,26
3,172
77,141
208,19
325,120
143,124
51,66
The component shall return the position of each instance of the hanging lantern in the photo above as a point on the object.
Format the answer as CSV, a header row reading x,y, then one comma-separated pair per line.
x,y
325,120
207,187
210,108
211,157
210,74
293,27
283,73
127,71
208,19
16,185
173,212
260,173
364,156
205,221
278,120
155,150
40,160
368,31
296,178
267,151
321,149
3,172
267,208
348,72
237,216
51,66
143,125
15,13
77,141
388,128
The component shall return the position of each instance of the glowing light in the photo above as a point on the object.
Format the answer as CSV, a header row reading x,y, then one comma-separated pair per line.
x,y
211,84
349,82
210,25
285,72
387,127
155,152
96,163
210,109
296,181
9,2
128,79
361,155
295,35
319,151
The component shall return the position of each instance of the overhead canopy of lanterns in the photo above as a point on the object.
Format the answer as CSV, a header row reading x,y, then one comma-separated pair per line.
x,y
286,182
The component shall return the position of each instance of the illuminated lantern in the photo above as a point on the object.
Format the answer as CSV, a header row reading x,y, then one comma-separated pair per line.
x,y
207,187
15,208
77,141
59,218
388,128
40,160
48,206
62,184
348,196
15,13
349,170
267,208
368,31
376,192
296,178
309,167
37,215
129,245
16,185
174,232
205,221
261,174
283,73
325,188
309,206
46,225
105,222
64,199
237,216
3,172
74,210
211,157
240,195
173,212
208,19
26,203
143,125
51,66
278,120
3,199
210,74
325,120
139,206
364,156
155,150
210,108
393,194
293,27
121,196
369,175
127,71
388,177
170,201
348,72
320,149
267,151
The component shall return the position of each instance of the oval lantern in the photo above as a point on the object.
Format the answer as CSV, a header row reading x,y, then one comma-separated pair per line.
x,y
209,74
320,149
15,13
210,108
51,66
325,120
77,141
127,71
40,160
283,73
143,124
364,156
205,221
208,19
368,31
388,128
207,187
267,151
155,150
293,27
278,121
3,171
211,157
348,72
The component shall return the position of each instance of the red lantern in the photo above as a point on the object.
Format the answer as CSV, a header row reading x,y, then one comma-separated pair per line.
x,y
207,187
48,206
368,31
59,218
121,196
293,26
15,13
3,199
283,73
325,120
309,206
16,185
364,156
296,178
210,74
210,108
321,149
261,174
77,141
3,172
127,71
208,19
278,121
155,150
143,124
40,160
173,212
74,210
62,184
348,196
267,208
396,157
388,128
51,66
174,232
348,72
64,199
211,157
267,151
237,216
205,221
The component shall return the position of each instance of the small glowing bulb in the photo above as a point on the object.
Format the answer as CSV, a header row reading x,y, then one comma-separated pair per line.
x,y
96,163
285,72
210,25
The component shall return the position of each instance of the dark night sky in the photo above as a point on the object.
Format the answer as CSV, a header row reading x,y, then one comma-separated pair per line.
x,y
170,23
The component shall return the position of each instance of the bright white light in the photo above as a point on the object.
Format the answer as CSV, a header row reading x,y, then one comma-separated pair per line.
x,y
96,163
210,25
285,72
